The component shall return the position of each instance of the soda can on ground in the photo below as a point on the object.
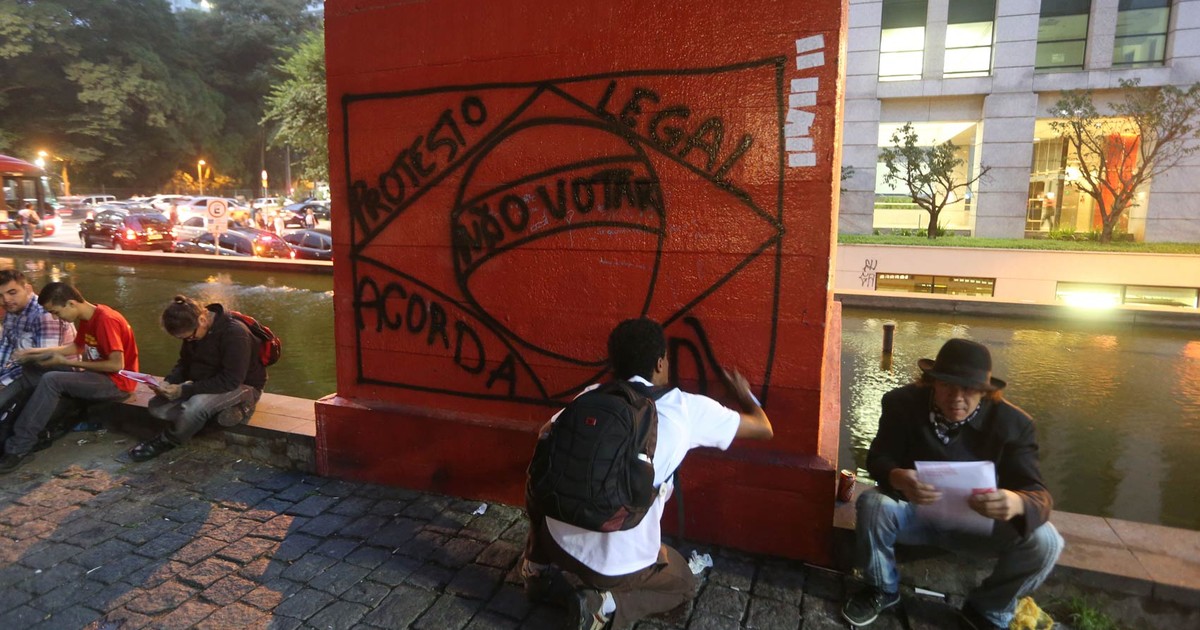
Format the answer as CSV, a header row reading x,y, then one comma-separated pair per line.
x,y
845,487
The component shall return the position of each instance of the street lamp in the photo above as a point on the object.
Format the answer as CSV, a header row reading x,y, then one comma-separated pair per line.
x,y
41,162
200,175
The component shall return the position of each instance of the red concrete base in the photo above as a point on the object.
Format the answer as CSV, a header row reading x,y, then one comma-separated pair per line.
x,y
755,500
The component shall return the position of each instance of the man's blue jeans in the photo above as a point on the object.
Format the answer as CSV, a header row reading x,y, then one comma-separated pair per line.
x,y
1022,564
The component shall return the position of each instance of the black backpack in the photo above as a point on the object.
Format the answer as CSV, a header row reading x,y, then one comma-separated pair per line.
x,y
594,469
270,347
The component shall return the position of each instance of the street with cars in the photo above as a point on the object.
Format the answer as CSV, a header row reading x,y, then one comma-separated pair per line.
x,y
168,224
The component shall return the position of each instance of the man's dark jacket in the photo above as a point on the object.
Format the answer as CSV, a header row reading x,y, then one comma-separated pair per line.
x,y
1000,432
225,358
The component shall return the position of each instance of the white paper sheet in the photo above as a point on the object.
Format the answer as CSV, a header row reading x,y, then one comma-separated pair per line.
x,y
957,481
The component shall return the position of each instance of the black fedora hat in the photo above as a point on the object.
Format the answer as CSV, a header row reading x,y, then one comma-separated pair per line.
x,y
963,362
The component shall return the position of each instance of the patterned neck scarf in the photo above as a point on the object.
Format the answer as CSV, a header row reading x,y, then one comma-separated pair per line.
x,y
945,429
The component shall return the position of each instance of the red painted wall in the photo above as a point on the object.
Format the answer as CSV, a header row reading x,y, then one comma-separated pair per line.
x,y
518,177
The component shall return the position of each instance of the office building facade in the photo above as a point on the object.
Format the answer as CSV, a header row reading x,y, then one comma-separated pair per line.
x,y
986,74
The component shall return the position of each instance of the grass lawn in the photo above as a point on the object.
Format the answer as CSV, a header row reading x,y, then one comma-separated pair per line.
x,y
1020,243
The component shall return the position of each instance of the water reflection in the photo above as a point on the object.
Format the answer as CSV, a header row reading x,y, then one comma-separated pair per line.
x,y
297,306
1117,407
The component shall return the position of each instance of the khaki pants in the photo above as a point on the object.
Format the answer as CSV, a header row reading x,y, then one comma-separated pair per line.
x,y
658,588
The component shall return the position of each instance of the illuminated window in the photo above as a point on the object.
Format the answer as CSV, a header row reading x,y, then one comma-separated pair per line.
x,y
1062,35
944,285
969,34
1141,32
1087,295
1161,296
902,43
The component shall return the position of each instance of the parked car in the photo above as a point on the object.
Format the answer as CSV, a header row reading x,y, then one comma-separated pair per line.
x,y
311,244
231,244
266,244
121,229
190,229
320,210
78,205
198,207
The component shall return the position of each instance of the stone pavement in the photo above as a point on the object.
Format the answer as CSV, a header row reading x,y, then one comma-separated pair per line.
x,y
200,538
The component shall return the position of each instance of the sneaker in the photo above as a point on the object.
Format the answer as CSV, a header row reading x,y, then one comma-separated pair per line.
x,y
865,606
12,461
970,619
583,611
233,416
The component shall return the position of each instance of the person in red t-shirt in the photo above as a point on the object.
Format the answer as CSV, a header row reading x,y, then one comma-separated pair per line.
x,y
105,343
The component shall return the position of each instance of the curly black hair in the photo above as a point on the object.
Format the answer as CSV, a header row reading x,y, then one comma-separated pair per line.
x,y
635,346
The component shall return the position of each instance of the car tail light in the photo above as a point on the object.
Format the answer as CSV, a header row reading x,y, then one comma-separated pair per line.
x,y
130,234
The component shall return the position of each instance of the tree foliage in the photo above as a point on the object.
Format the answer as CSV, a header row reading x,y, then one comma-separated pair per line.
x,y
128,92
927,172
1148,133
297,107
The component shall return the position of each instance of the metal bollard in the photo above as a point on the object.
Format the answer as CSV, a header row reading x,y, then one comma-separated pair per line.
x,y
889,334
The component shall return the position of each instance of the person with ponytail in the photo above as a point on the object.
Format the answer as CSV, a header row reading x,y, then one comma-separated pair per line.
x,y
218,375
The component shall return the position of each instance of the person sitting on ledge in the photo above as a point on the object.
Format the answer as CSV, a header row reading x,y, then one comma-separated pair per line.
x,y
954,412
629,574
218,375
105,342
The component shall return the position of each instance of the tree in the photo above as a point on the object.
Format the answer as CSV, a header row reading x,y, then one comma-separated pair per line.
x,y
1147,134
297,107
928,172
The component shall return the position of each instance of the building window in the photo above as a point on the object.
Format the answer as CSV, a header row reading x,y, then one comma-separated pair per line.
x,y
894,206
969,35
1141,33
1110,295
941,285
1062,35
902,43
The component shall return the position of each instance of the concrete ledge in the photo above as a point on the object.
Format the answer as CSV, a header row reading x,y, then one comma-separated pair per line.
x,y
1177,318
281,433
1160,564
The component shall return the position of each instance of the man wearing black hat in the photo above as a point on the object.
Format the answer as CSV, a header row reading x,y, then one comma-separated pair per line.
x,y
955,412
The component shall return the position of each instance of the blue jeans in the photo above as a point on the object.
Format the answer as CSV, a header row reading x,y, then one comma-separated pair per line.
x,y
1022,564
49,390
185,417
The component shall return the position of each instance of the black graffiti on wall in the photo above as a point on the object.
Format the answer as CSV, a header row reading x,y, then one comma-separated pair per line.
x,y
602,166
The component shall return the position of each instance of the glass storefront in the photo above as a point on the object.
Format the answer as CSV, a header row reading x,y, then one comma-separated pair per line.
x,y
894,207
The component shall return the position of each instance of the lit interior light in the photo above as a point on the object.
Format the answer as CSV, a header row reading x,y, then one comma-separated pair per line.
x,y
1091,300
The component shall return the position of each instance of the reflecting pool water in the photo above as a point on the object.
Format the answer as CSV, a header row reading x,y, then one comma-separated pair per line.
x,y
298,307
1117,407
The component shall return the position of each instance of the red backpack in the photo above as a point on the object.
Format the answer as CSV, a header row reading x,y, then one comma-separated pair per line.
x,y
270,347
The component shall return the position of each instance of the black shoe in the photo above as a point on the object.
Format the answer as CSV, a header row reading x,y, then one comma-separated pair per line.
x,y
150,449
583,611
970,619
864,607
11,462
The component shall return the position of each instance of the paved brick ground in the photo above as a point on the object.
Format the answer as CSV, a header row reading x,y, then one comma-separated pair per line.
x,y
201,539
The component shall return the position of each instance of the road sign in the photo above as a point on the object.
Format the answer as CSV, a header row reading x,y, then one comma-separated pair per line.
x,y
217,209
218,216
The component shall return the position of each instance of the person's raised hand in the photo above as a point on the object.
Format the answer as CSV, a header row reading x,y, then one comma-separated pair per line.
x,y
905,480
